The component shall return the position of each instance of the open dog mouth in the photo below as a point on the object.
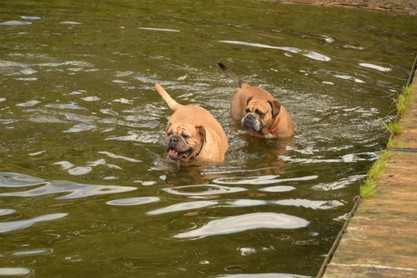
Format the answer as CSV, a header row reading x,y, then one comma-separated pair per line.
x,y
175,155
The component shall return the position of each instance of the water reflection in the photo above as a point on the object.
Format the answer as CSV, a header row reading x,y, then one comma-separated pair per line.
x,y
262,275
22,224
77,104
14,271
260,180
309,203
245,222
133,201
76,190
202,190
309,54
183,207
45,251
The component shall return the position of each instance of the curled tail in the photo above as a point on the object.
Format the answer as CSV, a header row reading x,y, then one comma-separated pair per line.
x,y
168,99
231,75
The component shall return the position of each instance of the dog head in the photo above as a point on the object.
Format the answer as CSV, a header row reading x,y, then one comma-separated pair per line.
x,y
184,141
260,114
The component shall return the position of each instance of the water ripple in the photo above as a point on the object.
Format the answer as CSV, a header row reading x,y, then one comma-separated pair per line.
x,y
159,29
240,223
45,251
9,179
310,203
6,211
259,180
309,54
263,275
133,201
76,190
338,184
183,206
15,23
202,190
112,155
278,188
375,67
22,224
14,271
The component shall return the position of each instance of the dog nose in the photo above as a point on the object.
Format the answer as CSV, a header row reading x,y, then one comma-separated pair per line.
x,y
173,140
250,117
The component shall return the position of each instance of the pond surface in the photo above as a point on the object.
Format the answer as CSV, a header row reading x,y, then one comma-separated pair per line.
x,y
85,185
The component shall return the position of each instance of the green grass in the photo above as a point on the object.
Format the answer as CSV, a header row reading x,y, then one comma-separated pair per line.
x,y
404,100
379,165
402,104
394,128
368,188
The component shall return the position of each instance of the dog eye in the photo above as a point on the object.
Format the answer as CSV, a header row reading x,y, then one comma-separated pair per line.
x,y
169,133
185,135
260,113
247,110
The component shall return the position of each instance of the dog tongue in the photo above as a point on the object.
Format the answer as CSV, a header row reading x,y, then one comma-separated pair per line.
x,y
172,152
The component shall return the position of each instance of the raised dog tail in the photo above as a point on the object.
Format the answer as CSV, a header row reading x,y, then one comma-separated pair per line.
x,y
168,99
231,75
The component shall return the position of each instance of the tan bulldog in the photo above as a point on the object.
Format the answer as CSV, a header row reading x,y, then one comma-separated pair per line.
x,y
258,112
193,133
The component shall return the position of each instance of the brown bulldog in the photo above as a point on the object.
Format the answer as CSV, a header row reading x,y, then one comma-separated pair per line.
x,y
257,110
193,133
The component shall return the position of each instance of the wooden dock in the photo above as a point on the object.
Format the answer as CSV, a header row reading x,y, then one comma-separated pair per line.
x,y
381,238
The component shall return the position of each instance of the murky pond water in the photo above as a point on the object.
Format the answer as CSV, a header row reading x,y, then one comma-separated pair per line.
x,y
85,185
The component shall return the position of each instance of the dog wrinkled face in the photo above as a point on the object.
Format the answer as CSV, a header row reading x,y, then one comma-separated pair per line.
x,y
259,114
184,141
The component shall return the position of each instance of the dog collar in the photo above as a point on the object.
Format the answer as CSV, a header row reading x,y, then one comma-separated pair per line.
x,y
202,144
275,126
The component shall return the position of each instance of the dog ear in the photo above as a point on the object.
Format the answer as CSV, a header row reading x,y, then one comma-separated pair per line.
x,y
275,106
202,131
249,99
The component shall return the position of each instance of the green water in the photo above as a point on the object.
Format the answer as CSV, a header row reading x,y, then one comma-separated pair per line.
x,y
85,185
